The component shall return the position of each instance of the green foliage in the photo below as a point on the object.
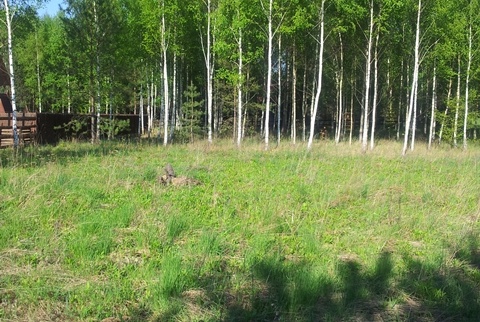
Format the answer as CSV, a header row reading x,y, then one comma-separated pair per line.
x,y
76,128
193,112
113,127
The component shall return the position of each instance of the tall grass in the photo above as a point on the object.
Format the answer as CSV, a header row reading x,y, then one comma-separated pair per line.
x,y
87,233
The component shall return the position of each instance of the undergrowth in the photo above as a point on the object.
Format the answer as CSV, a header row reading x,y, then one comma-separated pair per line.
x,y
88,233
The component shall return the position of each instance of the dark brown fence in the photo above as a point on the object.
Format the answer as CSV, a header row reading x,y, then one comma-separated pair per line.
x,y
26,125
50,128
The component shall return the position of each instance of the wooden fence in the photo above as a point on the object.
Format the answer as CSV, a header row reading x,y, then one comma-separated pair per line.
x,y
26,125
50,128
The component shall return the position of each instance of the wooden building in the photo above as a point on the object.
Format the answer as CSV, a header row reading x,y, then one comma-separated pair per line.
x,y
5,103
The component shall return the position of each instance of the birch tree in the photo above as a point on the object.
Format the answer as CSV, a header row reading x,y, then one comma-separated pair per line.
x,y
166,95
270,34
8,22
413,94
321,41
368,70
468,72
92,28
433,109
232,38
207,53
241,55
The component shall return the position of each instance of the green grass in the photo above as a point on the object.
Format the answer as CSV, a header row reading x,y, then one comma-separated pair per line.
x,y
87,233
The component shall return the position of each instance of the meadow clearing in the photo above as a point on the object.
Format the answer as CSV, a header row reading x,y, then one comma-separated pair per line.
x,y
87,233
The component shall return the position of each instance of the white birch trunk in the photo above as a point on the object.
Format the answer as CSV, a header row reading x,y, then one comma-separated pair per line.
x,y
69,94
166,99
304,105
340,94
279,99
140,113
149,109
390,92
208,62
368,69
375,92
175,118
294,96
97,76
313,116
416,66
457,105
414,116
269,72
352,102
400,104
8,22
239,88
449,95
39,81
467,85
431,135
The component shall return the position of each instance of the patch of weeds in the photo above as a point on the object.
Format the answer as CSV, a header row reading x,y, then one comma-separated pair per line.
x,y
149,174
174,276
175,226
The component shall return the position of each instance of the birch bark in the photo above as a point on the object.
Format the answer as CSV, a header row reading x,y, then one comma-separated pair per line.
x,y
166,99
368,69
375,92
8,22
431,135
239,88
319,76
467,84
269,71
413,96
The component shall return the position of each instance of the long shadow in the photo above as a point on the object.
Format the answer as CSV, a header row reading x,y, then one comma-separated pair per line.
x,y
36,156
287,289
445,293
283,290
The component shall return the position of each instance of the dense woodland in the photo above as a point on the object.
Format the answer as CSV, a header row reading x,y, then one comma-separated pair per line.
x,y
348,70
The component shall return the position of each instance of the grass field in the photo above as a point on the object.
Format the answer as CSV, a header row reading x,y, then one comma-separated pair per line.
x,y
88,234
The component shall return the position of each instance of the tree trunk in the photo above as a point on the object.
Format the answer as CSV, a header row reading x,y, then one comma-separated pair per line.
x,y
39,82
208,64
8,21
368,68
375,91
140,113
304,103
239,88
431,135
149,108
279,97
294,96
166,98
457,105
352,102
340,93
175,119
97,76
269,72
467,83
319,77
416,66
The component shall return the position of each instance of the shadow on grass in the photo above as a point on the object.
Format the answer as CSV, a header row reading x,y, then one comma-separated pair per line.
x,y
296,292
63,153
282,290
